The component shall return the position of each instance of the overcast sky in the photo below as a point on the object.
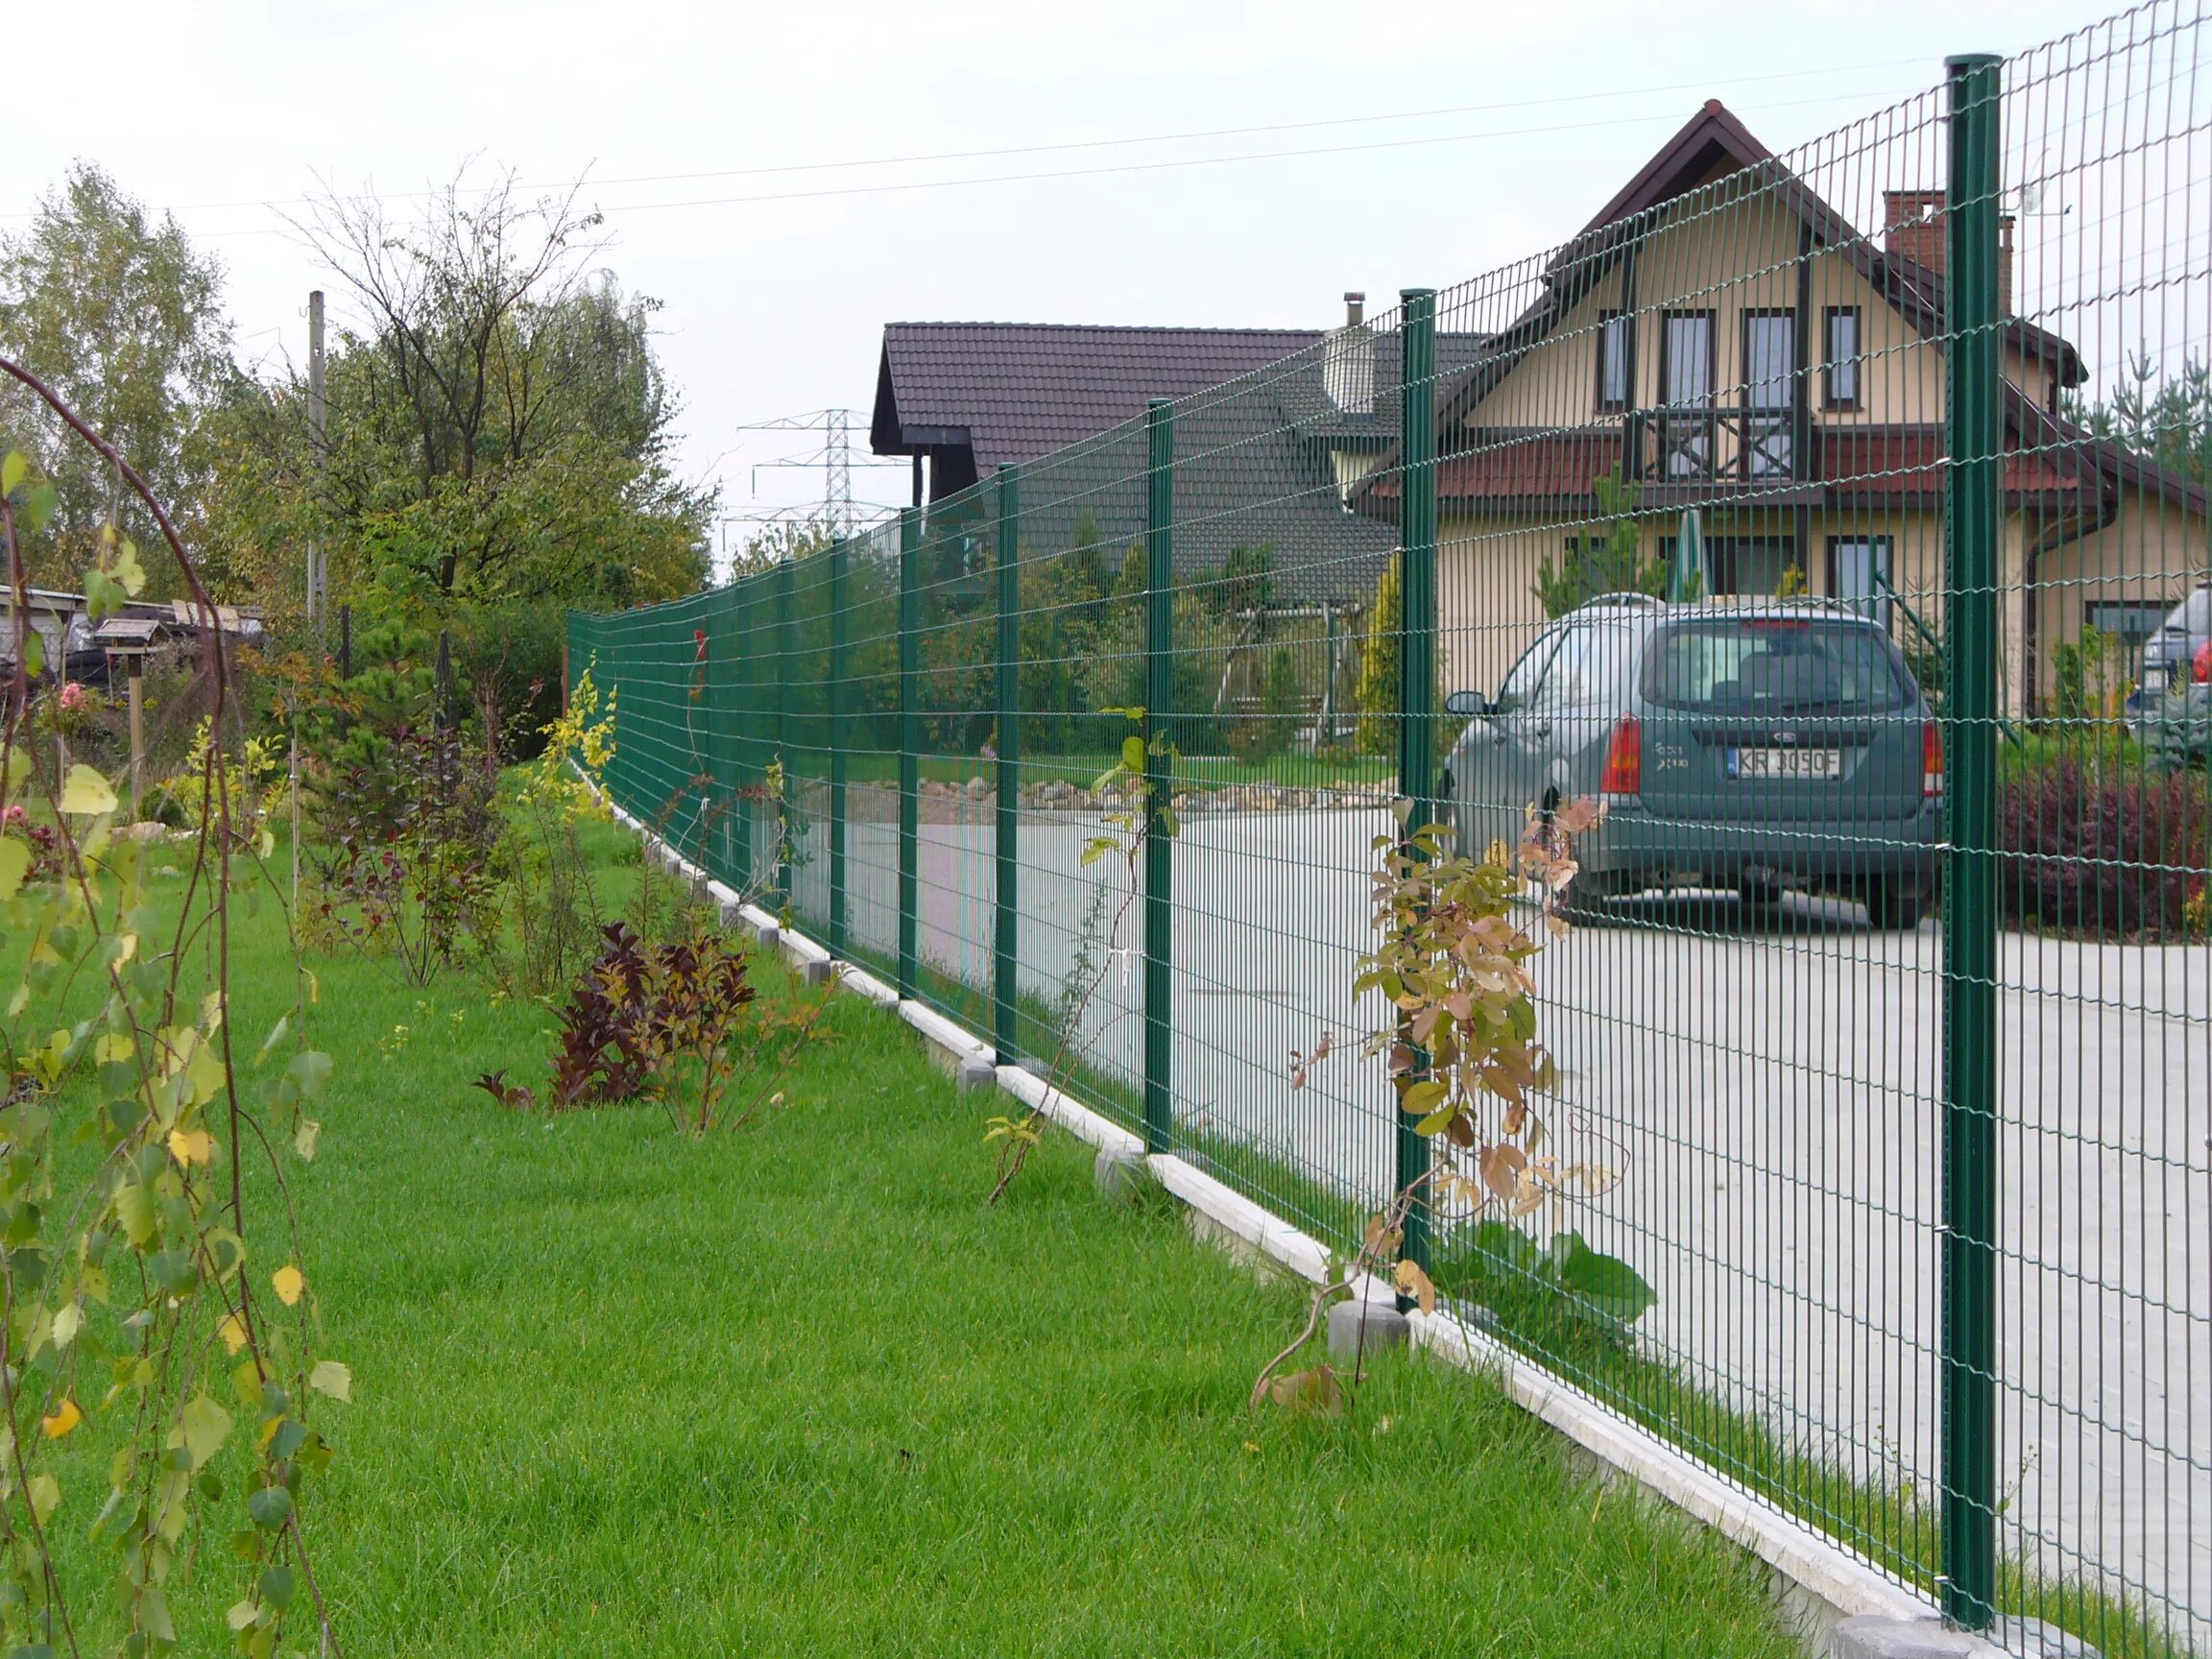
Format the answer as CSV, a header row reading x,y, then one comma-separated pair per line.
x,y
1452,138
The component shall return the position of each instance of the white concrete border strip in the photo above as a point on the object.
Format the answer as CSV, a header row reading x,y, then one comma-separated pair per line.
x,y
1072,1116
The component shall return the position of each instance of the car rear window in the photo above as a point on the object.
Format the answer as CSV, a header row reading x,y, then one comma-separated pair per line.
x,y
1773,665
2194,614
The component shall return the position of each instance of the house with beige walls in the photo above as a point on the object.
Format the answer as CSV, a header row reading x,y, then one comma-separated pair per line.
x,y
1722,342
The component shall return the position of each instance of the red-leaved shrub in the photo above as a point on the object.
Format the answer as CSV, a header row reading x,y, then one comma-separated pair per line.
x,y
2111,855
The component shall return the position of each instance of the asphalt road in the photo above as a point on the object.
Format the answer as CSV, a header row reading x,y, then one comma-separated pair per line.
x,y
1768,1085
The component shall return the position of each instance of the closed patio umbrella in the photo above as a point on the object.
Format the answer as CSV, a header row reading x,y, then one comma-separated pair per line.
x,y
1686,575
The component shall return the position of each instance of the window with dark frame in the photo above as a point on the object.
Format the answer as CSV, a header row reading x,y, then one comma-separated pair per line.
x,y
1613,328
1686,366
1840,354
1769,393
1861,569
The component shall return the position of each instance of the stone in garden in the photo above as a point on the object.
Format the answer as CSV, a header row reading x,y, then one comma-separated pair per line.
x,y
1363,1327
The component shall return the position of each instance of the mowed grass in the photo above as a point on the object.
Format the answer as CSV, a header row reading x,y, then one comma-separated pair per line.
x,y
794,1389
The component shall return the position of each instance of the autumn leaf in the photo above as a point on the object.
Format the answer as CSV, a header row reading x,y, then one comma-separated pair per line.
x,y
1501,1166
86,793
333,1379
233,1331
1412,1282
288,1282
66,1416
15,865
1316,1392
190,1146
203,1426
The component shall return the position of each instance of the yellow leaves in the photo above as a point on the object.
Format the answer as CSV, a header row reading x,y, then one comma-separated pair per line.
x,y
1412,1282
190,1146
1316,1392
45,1493
15,865
67,1417
201,1428
289,1284
139,1209
233,1331
305,1138
86,793
68,1320
115,1049
329,1377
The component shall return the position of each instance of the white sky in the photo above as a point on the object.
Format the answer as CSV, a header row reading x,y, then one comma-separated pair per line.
x,y
213,109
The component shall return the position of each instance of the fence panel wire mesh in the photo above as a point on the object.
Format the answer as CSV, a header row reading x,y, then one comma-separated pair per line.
x,y
1838,520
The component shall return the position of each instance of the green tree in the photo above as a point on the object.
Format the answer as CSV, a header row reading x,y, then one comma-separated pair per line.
x,y
1610,561
1376,689
499,423
124,319
2165,419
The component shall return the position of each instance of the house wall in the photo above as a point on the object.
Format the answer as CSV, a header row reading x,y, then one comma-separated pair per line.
x,y
1488,614
2153,553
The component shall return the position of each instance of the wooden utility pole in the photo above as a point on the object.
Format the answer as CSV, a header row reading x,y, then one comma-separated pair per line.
x,y
318,441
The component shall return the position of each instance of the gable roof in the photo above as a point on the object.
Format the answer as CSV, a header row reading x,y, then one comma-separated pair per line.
x,y
1713,151
1014,390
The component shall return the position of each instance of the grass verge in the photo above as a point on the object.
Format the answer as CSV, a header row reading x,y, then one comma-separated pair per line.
x,y
795,1388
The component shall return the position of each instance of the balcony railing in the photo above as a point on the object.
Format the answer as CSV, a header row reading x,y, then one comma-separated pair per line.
x,y
1707,445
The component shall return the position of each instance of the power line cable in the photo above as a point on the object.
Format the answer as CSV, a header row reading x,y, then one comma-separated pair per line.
x,y
1133,167
1074,144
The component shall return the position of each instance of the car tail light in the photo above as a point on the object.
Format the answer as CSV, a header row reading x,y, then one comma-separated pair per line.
x,y
2200,665
1623,773
1931,759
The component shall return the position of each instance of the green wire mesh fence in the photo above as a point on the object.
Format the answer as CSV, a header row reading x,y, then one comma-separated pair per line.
x,y
1836,518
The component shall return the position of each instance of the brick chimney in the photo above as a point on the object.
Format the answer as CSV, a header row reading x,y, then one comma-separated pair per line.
x,y
1913,227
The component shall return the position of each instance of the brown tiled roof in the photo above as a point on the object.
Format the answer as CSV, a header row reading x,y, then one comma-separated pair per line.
x,y
1015,391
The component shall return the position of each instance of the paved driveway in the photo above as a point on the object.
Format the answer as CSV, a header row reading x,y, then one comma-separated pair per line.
x,y
1770,1087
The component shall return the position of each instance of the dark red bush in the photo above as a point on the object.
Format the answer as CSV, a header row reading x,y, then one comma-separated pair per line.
x,y
2111,853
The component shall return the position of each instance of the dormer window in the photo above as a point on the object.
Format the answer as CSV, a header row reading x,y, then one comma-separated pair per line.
x,y
1613,341
1839,358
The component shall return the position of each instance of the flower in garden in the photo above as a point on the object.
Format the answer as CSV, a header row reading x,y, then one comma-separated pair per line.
x,y
72,696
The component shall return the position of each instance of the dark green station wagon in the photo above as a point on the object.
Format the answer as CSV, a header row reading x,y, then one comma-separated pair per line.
x,y
1757,745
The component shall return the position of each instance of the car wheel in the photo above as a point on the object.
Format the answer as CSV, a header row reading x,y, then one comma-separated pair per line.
x,y
1584,899
1892,907
1757,894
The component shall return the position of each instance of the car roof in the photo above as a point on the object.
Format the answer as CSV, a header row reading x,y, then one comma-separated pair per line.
x,y
1645,608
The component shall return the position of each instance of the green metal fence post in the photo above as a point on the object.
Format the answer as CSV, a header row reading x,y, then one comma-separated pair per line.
x,y
909,742
1158,845
721,740
1005,1034
780,806
1973,408
741,661
840,555
1417,648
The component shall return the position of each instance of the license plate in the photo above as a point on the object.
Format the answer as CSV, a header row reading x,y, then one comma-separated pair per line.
x,y
1785,763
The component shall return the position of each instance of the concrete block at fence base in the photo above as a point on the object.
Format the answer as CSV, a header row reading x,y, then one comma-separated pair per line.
x,y
1122,1176
766,934
1356,1328
976,1074
1932,1639
817,969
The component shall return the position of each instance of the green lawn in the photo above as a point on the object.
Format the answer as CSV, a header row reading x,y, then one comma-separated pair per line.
x,y
1290,771
795,1389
